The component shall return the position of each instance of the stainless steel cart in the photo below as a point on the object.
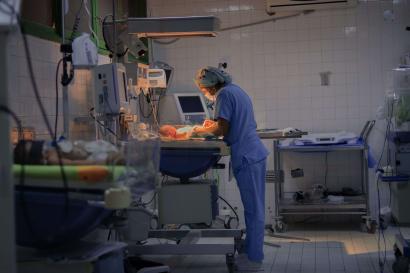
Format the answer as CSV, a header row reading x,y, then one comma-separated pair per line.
x,y
355,205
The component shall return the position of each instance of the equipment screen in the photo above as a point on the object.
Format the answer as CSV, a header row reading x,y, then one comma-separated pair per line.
x,y
191,104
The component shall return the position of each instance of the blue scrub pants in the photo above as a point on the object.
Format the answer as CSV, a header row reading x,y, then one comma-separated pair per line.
x,y
251,183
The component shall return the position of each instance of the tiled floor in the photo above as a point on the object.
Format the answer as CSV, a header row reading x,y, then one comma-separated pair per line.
x,y
329,250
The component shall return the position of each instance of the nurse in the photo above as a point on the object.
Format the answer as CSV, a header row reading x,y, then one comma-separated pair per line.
x,y
234,119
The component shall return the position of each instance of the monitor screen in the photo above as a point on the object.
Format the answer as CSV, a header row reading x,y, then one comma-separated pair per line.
x,y
191,104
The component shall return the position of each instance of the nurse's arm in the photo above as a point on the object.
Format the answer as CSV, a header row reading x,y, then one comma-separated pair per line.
x,y
219,128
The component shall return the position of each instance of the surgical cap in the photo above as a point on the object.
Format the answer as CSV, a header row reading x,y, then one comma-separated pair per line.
x,y
211,76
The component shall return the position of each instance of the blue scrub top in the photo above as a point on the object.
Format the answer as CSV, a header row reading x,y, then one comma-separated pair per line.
x,y
235,106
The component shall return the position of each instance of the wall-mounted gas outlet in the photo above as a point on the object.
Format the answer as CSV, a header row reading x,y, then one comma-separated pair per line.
x,y
325,78
28,134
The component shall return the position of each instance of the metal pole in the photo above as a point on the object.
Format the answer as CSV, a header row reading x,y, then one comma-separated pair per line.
x,y
114,29
276,164
66,109
7,231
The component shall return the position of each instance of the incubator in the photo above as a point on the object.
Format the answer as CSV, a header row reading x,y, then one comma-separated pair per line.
x,y
397,100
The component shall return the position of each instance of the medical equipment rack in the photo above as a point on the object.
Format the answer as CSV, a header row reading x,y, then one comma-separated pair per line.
x,y
355,205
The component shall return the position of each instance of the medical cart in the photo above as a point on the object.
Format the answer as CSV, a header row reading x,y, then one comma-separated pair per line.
x,y
352,205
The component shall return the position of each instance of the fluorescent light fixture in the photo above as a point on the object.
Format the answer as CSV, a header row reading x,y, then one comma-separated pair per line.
x,y
174,27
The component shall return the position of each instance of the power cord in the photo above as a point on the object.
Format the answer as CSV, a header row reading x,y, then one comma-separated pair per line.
x,y
229,205
142,108
76,22
90,112
43,114
381,235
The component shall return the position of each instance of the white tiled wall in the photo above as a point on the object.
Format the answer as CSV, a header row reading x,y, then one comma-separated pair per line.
x,y
278,64
45,55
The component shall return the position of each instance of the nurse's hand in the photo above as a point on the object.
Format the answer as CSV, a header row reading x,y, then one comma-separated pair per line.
x,y
208,123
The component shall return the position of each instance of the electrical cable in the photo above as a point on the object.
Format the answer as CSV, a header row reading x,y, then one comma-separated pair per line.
x,y
107,44
229,205
44,116
40,103
381,235
158,106
154,107
150,201
142,110
76,22
89,23
265,21
100,123
35,89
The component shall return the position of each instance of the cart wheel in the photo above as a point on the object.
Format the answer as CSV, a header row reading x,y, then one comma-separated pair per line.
x,y
280,227
371,226
184,227
230,262
154,223
401,265
396,251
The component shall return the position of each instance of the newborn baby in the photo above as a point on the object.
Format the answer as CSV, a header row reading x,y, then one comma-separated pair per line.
x,y
170,132
183,133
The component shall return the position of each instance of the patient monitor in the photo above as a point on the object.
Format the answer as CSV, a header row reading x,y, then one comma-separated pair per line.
x,y
191,107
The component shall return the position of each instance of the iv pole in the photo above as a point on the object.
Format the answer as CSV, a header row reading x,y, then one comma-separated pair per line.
x,y
66,109
7,231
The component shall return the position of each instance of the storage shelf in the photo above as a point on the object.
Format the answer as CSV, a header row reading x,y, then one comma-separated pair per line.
x,y
350,205
321,148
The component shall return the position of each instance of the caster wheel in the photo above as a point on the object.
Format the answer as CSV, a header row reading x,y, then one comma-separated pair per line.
x,y
397,252
280,227
154,223
230,262
401,265
369,226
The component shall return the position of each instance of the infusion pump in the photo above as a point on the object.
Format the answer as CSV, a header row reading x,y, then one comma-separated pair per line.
x,y
150,78
111,91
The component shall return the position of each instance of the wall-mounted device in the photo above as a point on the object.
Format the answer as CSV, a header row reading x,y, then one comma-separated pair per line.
x,y
169,70
110,88
150,77
191,107
157,78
